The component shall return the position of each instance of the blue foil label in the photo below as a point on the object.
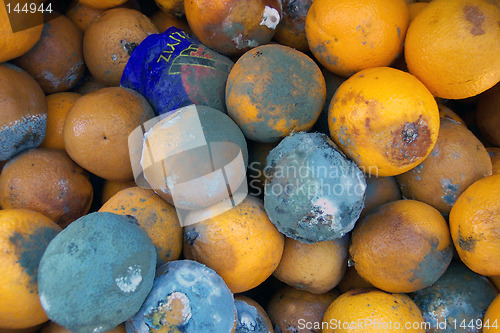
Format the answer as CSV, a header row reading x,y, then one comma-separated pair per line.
x,y
173,69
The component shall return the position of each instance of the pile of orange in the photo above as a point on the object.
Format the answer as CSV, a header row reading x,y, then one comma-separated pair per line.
x,y
406,89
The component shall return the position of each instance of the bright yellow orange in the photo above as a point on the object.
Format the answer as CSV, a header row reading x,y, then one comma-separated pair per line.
x,y
474,221
24,235
316,267
58,106
347,36
15,44
102,4
401,247
491,320
155,216
416,8
385,120
452,46
240,244
376,307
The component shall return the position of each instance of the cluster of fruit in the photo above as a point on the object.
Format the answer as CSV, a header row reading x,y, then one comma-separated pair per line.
x,y
332,186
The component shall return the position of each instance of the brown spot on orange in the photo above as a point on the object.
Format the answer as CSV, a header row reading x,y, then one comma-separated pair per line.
x,y
410,141
367,122
476,17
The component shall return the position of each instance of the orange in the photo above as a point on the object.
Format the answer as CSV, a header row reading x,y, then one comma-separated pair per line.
x,y
452,47
316,267
415,9
24,111
82,15
496,281
293,310
102,4
24,235
491,321
156,217
373,311
58,107
241,244
446,112
385,120
457,160
347,36
494,153
15,44
352,280
172,7
292,28
474,221
274,90
251,316
110,188
401,247
56,61
47,181
233,27
379,191
256,177
488,115
97,127
110,40
163,21
54,327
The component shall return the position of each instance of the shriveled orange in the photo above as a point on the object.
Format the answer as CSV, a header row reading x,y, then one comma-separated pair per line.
x,y
102,4
110,40
347,36
379,191
385,120
401,247
316,267
494,153
154,215
290,309
452,47
82,15
373,311
491,320
457,160
240,244
163,21
24,235
46,180
56,61
352,280
58,106
54,327
97,127
15,44
488,115
474,226
110,188
172,7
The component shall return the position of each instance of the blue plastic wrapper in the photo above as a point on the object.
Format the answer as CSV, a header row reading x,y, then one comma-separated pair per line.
x,y
173,69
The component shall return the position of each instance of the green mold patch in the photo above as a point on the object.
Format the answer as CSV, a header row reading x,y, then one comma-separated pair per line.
x,y
30,248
